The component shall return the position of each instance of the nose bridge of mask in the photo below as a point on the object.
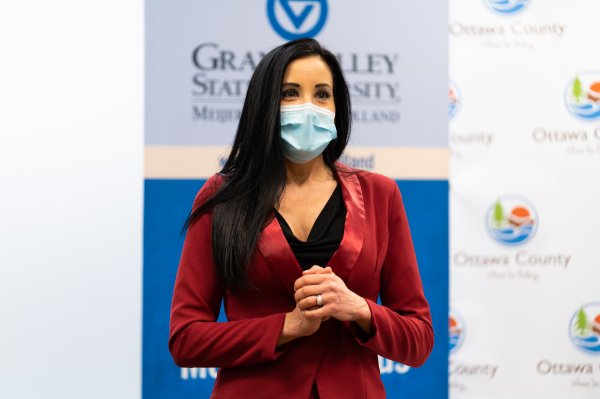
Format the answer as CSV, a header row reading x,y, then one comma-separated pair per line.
x,y
300,113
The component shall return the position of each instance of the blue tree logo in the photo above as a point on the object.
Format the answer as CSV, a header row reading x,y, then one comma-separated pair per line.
x,y
582,96
511,220
456,331
294,19
584,328
454,99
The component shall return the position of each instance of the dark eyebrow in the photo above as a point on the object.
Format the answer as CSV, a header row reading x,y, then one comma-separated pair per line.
x,y
297,85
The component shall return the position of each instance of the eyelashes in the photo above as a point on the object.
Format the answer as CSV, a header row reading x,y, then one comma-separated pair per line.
x,y
287,93
321,94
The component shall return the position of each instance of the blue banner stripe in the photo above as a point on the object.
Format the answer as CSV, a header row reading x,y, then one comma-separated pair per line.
x,y
167,203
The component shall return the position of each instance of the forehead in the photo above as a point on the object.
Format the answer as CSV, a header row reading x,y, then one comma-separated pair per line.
x,y
308,70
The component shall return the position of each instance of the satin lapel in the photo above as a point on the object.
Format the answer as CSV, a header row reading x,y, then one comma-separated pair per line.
x,y
345,257
279,256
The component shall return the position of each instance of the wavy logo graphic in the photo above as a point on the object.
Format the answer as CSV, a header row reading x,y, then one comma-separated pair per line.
x,y
456,328
454,99
294,19
582,96
506,7
584,328
511,220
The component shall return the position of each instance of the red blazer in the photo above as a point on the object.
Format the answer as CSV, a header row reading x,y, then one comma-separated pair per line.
x,y
375,257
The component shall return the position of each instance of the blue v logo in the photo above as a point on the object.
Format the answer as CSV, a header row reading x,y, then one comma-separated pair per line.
x,y
304,9
293,19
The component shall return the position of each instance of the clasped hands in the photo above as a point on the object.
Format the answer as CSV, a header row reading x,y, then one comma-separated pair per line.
x,y
337,301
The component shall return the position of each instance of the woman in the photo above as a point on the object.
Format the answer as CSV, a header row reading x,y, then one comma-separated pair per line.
x,y
299,247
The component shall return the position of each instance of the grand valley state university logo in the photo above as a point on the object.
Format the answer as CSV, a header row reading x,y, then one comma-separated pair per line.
x,y
506,7
295,19
511,220
584,328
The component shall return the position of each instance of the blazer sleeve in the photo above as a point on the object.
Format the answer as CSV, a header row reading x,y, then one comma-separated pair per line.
x,y
196,339
401,328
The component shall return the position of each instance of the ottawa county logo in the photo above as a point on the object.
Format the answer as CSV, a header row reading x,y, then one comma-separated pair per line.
x,y
454,99
584,328
506,7
582,96
295,19
511,220
456,331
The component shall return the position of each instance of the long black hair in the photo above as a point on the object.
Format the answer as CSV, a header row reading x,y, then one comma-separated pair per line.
x,y
254,174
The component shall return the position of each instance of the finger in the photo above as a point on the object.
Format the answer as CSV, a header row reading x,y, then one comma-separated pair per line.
x,y
325,270
308,303
313,269
319,313
329,283
308,290
311,302
310,279
316,269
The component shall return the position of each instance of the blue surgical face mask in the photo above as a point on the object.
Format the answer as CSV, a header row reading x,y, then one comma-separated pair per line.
x,y
306,130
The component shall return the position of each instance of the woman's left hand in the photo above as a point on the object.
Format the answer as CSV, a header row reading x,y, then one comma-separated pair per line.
x,y
338,301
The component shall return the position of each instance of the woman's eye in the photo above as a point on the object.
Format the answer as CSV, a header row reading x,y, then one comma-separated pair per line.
x,y
289,93
323,95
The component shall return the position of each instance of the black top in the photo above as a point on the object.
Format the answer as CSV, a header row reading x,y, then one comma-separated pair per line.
x,y
325,235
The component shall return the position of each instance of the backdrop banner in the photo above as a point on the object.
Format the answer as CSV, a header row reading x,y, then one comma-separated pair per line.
x,y
199,58
525,176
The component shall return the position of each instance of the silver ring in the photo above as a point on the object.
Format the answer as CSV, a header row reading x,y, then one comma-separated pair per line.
x,y
319,300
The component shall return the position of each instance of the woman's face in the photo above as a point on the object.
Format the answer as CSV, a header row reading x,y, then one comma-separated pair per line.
x,y
307,80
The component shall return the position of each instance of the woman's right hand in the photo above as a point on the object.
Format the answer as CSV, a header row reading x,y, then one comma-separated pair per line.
x,y
296,325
